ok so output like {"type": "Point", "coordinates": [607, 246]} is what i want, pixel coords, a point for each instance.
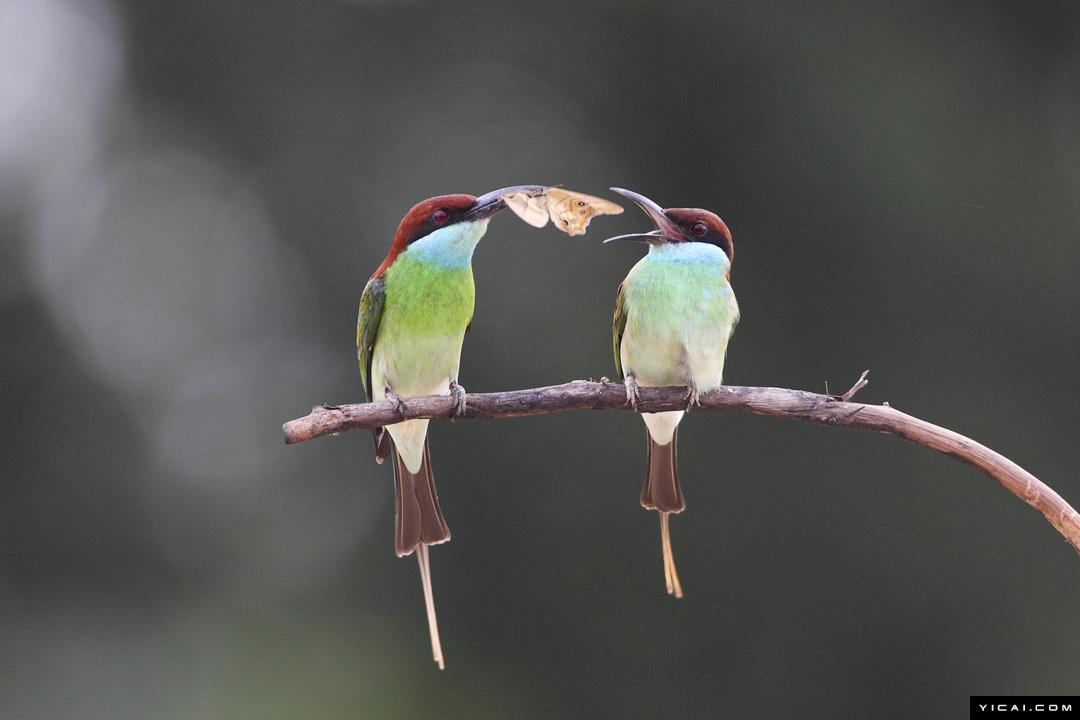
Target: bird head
{"type": "Point", "coordinates": [443, 211]}
{"type": "Point", "coordinates": [679, 225]}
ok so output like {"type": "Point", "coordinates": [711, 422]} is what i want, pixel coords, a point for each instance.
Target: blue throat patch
{"type": "Point", "coordinates": [449, 247]}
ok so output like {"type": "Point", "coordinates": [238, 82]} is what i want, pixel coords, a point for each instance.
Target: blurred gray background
{"type": "Point", "coordinates": [192, 195]}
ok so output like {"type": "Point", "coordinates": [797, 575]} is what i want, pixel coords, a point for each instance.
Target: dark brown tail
{"type": "Point", "coordinates": [417, 516]}
{"type": "Point", "coordinates": [662, 490]}
{"type": "Point", "coordinates": [419, 522]}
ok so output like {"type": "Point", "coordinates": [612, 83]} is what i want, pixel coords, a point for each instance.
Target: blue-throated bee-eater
{"type": "Point", "coordinates": [674, 315]}
{"type": "Point", "coordinates": [414, 313]}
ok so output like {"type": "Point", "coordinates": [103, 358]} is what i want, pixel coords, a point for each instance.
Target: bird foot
{"type": "Point", "coordinates": [693, 399]}
{"type": "Point", "coordinates": [458, 394]}
{"type": "Point", "coordinates": [632, 397]}
{"type": "Point", "coordinates": [399, 404]}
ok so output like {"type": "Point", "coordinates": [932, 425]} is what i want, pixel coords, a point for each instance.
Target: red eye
{"type": "Point", "coordinates": [440, 216]}
{"type": "Point", "coordinates": [699, 229]}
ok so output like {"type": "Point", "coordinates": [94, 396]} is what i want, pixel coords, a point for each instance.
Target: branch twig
{"type": "Point", "coordinates": [777, 402]}
{"type": "Point", "coordinates": [859, 385]}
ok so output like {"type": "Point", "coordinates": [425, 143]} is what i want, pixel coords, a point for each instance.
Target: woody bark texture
{"type": "Point", "coordinates": [778, 402]}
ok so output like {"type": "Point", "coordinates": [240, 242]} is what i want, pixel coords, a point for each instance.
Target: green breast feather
{"type": "Point", "coordinates": [427, 300]}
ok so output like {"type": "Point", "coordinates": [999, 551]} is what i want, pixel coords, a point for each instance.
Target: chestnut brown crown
{"type": "Point", "coordinates": [429, 215]}
{"type": "Point", "coordinates": [422, 219]}
{"type": "Point", "coordinates": [700, 225]}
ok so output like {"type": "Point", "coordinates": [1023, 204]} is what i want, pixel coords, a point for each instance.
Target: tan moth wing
{"type": "Point", "coordinates": [533, 209]}
{"type": "Point", "coordinates": [571, 211]}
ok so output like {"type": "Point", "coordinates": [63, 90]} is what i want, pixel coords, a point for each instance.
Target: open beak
{"type": "Point", "coordinates": [490, 203]}
{"type": "Point", "coordinates": [666, 231]}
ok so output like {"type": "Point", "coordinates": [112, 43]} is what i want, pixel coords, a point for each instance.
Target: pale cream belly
{"type": "Point", "coordinates": [427, 374]}
{"type": "Point", "coordinates": [666, 347]}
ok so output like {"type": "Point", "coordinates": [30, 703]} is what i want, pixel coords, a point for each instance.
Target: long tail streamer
{"type": "Point", "coordinates": [429, 599]}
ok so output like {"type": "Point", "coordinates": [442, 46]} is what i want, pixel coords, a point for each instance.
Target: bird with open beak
{"type": "Point", "coordinates": [414, 313]}
{"type": "Point", "coordinates": [674, 315]}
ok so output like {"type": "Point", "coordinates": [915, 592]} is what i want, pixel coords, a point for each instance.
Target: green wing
{"type": "Point", "coordinates": [367, 328]}
{"type": "Point", "coordinates": [618, 324]}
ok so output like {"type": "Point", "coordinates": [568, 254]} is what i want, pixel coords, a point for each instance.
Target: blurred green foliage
{"type": "Point", "coordinates": [192, 195]}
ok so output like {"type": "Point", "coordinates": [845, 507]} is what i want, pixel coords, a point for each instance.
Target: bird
{"type": "Point", "coordinates": [414, 314]}
{"type": "Point", "coordinates": [674, 314]}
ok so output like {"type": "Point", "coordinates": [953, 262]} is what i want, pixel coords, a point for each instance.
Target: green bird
{"type": "Point", "coordinates": [674, 315]}
{"type": "Point", "coordinates": [414, 314]}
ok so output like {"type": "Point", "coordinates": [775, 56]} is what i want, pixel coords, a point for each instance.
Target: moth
{"type": "Point", "coordinates": [570, 211]}
{"type": "Point", "coordinates": [533, 209]}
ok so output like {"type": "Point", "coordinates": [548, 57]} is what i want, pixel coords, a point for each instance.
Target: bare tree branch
{"type": "Point", "coordinates": [778, 402]}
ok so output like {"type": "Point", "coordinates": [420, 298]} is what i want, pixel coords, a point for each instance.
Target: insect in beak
{"type": "Point", "coordinates": [490, 203]}
{"type": "Point", "coordinates": [570, 211]}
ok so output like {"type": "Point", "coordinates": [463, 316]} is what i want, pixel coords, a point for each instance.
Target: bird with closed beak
{"type": "Point", "coordinates": [414, 314]}
{"type": "Point", "coordinates": [674, 315]}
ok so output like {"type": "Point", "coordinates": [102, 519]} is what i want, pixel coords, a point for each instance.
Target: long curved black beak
{"type": "Point", "coordinates": [666, 231]}
{"type": "Point", "coordinates": [490, 203]}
